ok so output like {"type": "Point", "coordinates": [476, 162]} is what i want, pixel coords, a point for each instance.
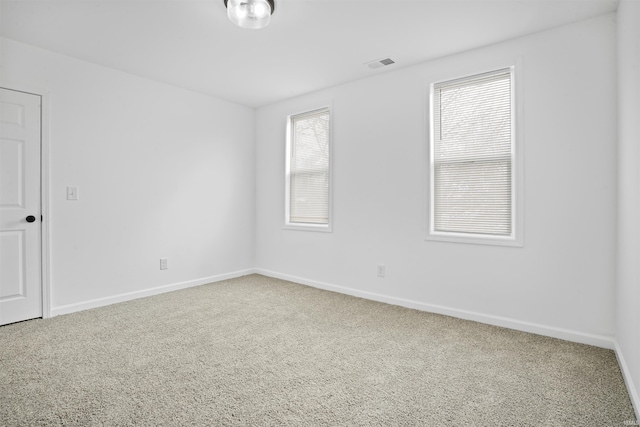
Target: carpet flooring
{"type": "Point", "coordinates": [257, 351]}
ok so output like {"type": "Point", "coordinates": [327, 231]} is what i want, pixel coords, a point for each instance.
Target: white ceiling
{"type": "Point", "coordinates": [309, 45]}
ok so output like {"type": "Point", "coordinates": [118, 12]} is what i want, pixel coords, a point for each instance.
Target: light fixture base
{"type": "Point", "coordinates": [251, 14]}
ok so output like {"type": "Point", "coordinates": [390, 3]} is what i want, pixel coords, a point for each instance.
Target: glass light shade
{"type": "Point", "coordinates": [252, 14]}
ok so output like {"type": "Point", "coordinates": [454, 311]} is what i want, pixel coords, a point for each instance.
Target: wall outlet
{"type": "Point", "coordinates": [163, 264]}
{"type": "Point", "coordinates": [381, 270]}
{"type": "Point", "coordinates": [72, 193]}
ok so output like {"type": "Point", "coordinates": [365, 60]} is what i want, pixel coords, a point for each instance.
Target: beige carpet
{"type": "Point", "coordinates": [256, 351]}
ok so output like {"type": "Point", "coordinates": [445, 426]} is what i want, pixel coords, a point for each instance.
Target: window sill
{"type": "Point", "coordinates": [481, 239]}
{"type": "Point", "coordinates": [308, 227]}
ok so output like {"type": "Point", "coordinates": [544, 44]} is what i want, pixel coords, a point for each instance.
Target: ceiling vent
{"type": "Point", "coordinates": [379, 63]}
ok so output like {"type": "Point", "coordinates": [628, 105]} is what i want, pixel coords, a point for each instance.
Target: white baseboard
{"type": "Point", "coordinates": [101, 302]}
{"type": "Point", "coordinates": [549, 331]}
{"type": "Point", "coordinates": [628, 380]}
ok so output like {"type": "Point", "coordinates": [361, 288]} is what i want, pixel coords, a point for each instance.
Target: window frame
{"type": "Point", "coordinates": [516, 238]}
{"type": "Point", "coordinates": [300, 226]}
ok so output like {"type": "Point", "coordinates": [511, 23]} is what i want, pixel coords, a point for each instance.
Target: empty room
{"type": "Point", "coordinates": [320, 212]}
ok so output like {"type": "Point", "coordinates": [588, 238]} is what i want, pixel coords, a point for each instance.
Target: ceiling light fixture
{"type": "Point", "coordinates": [252, 14]}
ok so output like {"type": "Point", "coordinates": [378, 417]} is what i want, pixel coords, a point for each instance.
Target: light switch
{"type": "Point", "coordinates": [72, 193]}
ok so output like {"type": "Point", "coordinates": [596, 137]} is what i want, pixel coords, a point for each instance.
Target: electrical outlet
{"type": "Point", "coordinates": [72, 193]}
{"type": "Point", "coordinates": [163, 264]}
{"type": "Point", "coordinates": [381, 270]}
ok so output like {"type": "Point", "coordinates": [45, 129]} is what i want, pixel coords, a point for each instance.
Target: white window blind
{"type": "Point", "coordinates": [309, 168]}
{"type": "Point", "coordinates": [472, 154]}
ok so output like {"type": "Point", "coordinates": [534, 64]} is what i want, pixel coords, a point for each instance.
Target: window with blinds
{"type": "Point", "coordinates": [472, 153]}
{"type": "Point", "coordinates": [308, 169]}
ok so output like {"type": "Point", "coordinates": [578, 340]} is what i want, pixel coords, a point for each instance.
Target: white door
{"type": "Point", "coordinates": [20, 220]}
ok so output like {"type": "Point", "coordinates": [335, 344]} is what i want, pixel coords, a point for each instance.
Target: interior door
{"type": "Point", "coordinates": [20, 213]}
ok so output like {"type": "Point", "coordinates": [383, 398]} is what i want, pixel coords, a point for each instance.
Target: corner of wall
{"type": "Point", "coordinates": [627, 330]}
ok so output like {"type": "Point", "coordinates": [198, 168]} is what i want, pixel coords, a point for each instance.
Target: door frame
{"type": "Point", "coordinates": [45, 172]}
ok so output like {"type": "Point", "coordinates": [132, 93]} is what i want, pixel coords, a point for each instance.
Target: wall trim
{"type": "Point", "coordinates": [628, 380]}
{"type": "Point", "coordinates": [45, 203]}
{"type": "Point", "coordinates": [101, 302]}
{"type": "Point", "coordinates": [505, 322]}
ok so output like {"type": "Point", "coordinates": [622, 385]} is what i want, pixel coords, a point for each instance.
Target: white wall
{"type": "Point", "coordinates": [161, 171]}
{"type": "Point", "coordinates": [628, 291]}
{"type": "Point", "coordinates": [561, 283]}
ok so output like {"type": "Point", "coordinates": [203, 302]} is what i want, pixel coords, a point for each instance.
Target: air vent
{"type": "Point", "coordinates": [379, 63]}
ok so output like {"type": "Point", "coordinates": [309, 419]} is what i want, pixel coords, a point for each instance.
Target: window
{"type": "Point", "coordinates": [308, 171]}
{"type": "Point", "coordinates": [472, 160]}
